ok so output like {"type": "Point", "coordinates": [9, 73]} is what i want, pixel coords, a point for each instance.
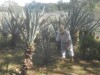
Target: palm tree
{"type": "Point", "coordinates": [79, 16]}
{"type": "Point", "coordinates": [4, 30]}
{"type": "Point", "coordinates": [32, 22]}
{"type": "Point", "coordinates": [9, 25]}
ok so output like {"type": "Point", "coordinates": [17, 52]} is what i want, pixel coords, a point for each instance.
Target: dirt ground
{"type": "Point", "coordinates": [10, 64]}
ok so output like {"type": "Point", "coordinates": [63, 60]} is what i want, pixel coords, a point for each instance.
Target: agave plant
{"type": "Point", "coordinates": [46, 44]}
{"type": "Point", "coordinates": [45, 48]}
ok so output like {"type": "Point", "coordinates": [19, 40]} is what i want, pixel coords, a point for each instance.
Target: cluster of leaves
{"type": "Point", "coordinates": [89, 47]}
{"type": "Point", "coordinates": [44, 48]}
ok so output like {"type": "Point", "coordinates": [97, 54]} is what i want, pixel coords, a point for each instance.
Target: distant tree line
{"type": "Point", "coordinates": [49, 7]}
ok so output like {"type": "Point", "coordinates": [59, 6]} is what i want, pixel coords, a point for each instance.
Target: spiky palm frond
{"type": "Point", "coordinates": [79, 16]}
{"type": "Point", "coordinates": [4, 29]}
{"type": "Point", "coordinates": [55, 22]}
{"type": "Point", "coordinates": [9, 21]}
{"type": "Point", "coordinates": [45, 49]}
{"type": "Point", "coordinates": [92, 27]}
{"type": "Point", "coordinates": [32, 23]}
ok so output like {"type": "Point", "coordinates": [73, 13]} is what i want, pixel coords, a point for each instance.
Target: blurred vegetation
{"type": "Point", "coordinates": [49, 7]}
{"type": "Point", "coordinates": [31, 31]}
{"type": "Point", "coordinates": [89, 47]}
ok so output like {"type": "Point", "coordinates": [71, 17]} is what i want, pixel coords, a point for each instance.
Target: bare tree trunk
{"type": "Point", "coordinates": [27, 62]}
{"type": "Point", "coordinates": [75, 38]}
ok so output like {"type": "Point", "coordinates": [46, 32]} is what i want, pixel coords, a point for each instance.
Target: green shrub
{"type": "Point", "coordinates": [89, 47]}
{"type": "Point", "coordinates": [45, 49]}
{"type": "Point", "coordinates": [4, 41]}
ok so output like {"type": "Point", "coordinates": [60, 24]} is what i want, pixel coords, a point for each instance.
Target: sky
{"type": "Point", "coordinates": [23, 2]}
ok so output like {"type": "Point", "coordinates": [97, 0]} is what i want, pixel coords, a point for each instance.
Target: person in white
{"type": "Point", "coordinates": [63, 35]}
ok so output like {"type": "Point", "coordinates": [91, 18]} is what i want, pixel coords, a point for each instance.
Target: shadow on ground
{"type": "Point", "coordinates": [10, 60]}
{"type": "Point", "coordinates": [10, 64]}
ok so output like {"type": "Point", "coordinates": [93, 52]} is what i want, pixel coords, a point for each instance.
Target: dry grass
{"type": "Point", "coordinates": [10, 64]}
